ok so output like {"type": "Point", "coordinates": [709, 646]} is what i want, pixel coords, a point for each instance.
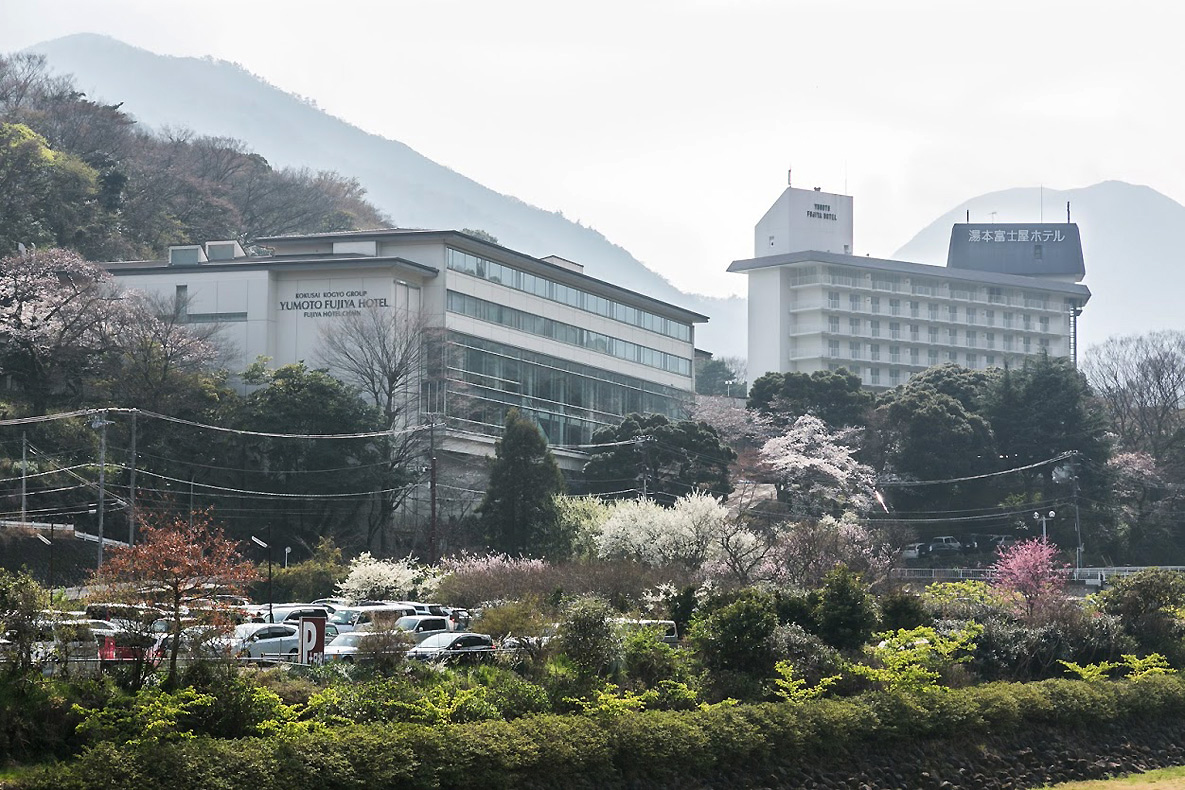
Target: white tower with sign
{"type": "Point", "coordinates": [805, 219]}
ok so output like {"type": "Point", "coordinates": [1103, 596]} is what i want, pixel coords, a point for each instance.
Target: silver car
{"type": "Point", "coordinates": [262, 640]}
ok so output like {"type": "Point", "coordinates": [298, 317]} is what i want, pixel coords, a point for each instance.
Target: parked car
{"type": "Point", "coordinates": [346, 647]}
{"type": "Point", "coordinates": [454, 647]}
{"type": "Point", "coordinates": [422, 627]}
{"type": "Point", "coordinates": [427, 608]}
{"type": "Point", "coordinates": [260, 640]}
{"type": "Point", "coordinates": [913, 551]}
{"type": "Point", "coordinates": [945, 544]}
{"type": "Point", "coordinates": [355, 617]}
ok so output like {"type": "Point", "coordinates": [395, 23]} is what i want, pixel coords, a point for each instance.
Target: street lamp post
{"type": "Point", "coordinates": [1042, 517]}
{"type": "Point", "coordinates": [259, 542]}
{"type": "Point", "coordinates": [287, 551]}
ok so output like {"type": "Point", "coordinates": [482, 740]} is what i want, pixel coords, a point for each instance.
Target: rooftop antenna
{"type": "Point", "coordinates": [992, 214]}
{"type": "Point", "coordinates": [788, 171]}
{"type": "Point", "coordinates": [1067, 212]}
{"type": "Point", "coordinates": [968, 216]}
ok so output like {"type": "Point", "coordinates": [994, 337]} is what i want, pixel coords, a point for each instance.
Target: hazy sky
{"type": "Point", "coordinates": [669, 125]}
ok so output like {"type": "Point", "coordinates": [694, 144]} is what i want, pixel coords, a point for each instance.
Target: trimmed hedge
{"type": "Point", "coordinates": [878, 735]}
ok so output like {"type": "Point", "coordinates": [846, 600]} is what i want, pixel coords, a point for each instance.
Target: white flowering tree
{"type": "Point", "coordinates": [688, 533]}
{"type": "Point", "coordinates": [375, 580]}
{"type": "Point", "coordinates": [55, 313]}
{"type": "Point", "coordinates": [815, 470]}
{"type": "Point", "coordinates": [802, 553]}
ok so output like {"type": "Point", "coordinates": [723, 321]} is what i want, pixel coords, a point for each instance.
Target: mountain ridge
{"type": "Point", "coordinates": [219, 98]}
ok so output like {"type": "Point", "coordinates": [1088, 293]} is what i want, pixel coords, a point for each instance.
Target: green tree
{"type": "Point", "coordinates": [834, 396]}
{"type": "Point", "coordinates": [587, 636]}
{"type": "Point", "coordinates": [1047, 409]}
{"type": "Point", "coordinates": [648, 455]}
{"type": "Point", "coordinates": [46, 196]}
{"type": "Point", "coordinates": [737, 638]}
{"type": "Point", "coordinates": [22, 601]}
{"type": "Point", "coordinates": [297, 400]}
{"type": "Point", "coordinates": [519, 511]}
{"type": "Point", "coordinates": [316, 577]}
{"type": "Point", "coordinates": [845, 612]}
{"type": "Point", "coordinates": [720, 377]}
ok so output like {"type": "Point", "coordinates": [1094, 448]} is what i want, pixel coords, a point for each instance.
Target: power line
{"type": "Point", "coordinates": [910, 484]}
{"type": "Point", "coordinates": [275, 494]}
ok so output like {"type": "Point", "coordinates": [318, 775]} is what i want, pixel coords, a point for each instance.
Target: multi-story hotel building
{"type": "Point", "coordinates": [570, 352]}
{"type": "Point", "coordinates": [1007, 291]}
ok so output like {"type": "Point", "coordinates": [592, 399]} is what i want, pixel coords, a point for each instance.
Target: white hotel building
{"type": "Point", "coordinates": [571, 352]}
{"type": "Point", "coordinates": [1007, 291]}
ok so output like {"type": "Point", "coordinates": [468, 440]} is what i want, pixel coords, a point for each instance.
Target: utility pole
{"type": "Point", "coordinates": [132, 487]}
{"type": "Point", "coordinates": [101, 423]}
{"type": "Point", "coordinates": [1077, 525]}
{"type": "Point", "coordinates": [432, 492]}
{"type": "Point", "coordinates": [24, 477]}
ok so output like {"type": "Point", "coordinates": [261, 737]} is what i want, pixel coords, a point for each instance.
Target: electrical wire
{"type": "Point", "coordinates": [42, 474]}
{"type": "Point", "coordinates": [266, 434]}
{"type": "Point", "coordinates": [275, 494]}
{"type": "Point", "coordinates": [912, 483]}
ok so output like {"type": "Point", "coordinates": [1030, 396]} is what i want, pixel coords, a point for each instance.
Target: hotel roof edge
{"type": "Point", "coordinates": [905, 267]}
{"type": "Point", "coordinates": [691, 315]}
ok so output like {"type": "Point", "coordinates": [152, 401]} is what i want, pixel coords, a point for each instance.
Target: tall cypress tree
{"type": "Point", "coordinates": [518, 512]}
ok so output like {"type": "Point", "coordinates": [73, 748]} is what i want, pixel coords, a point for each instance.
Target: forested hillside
{"type": "Point", "coordinates": [82, 175]}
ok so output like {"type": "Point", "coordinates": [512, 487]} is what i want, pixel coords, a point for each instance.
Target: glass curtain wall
{"type": "Point", "coordinates": [569, 401]}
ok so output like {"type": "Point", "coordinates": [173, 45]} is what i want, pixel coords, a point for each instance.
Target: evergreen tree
{"type": "Point", "coordinates": [519, 511]}
{"type": "Point", "coordinates": [647, 455]}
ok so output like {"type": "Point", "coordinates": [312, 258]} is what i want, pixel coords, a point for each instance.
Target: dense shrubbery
{"type": "Point", "coordinates": [661, 746]}
{"type": "Point", "coordinates": [598, 680]}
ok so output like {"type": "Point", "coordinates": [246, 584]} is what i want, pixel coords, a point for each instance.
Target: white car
{"type": "Point", "coordinates": [345, 647]}
{"type": "Point", "coordinates": [262, 640]}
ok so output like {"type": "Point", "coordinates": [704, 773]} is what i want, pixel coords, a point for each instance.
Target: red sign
{"type": "Point", "coordinates": [312, 639]}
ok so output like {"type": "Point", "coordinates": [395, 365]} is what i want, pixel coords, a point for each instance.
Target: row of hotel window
{"type": "Point", "coordinates": [483, 310]}
{"type": "Point", "coordinates": [971, 337]}
{"type": "Point", "coordinates": [856, 350]}
{"type": "Point", "coordinates": [933, 311]}
{"type": "Point", "coordinates": [921, 286]}
{"type": "Point", "coordinates": [526, 282]}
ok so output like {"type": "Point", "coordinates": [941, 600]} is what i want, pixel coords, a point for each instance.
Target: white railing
{"type": "Point", "coordinates": [1098, 574]}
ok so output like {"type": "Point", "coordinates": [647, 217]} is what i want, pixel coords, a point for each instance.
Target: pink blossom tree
{"type": "Point", "coordinates": [1028, 569]}
{"type": "Point", "coordinates": [54, 311]}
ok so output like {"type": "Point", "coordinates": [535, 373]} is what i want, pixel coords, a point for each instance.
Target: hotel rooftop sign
{"type": "Point", "coordinates": [1031, 249]}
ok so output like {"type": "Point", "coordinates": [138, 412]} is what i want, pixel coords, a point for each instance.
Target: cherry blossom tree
{"type": "Point", "coordinates": [815, 470]}
{"type": "Point", "coordinates": [184, 565]}
{"type": "Point", "coordinates": [1029, 570]}
{"type": "Point", "coordinates": [803, 553]}
{"type": "Point", "coordinates": [54, 310]}
{"type": "Point", "coordinates": [159, 360]}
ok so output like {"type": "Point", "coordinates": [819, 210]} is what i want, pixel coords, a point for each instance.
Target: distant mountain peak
{"type": "Point", "coordinates": [1135, 268]}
